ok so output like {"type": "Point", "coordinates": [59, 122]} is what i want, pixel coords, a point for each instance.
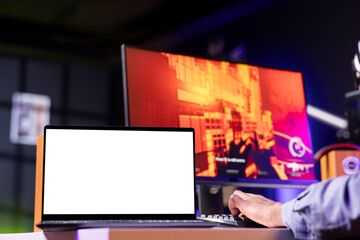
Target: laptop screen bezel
{"type": "Point", "coordinates": [171, 216]}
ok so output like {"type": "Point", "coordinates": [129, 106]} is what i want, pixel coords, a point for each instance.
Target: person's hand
{"type": "Point", "coordinates": [256, 207]}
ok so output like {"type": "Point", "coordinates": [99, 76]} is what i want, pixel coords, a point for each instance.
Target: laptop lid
{"type": "Point", "coordinates": [100, 173]}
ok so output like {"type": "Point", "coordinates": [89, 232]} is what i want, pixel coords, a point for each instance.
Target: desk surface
{"type": "Point", "coordinates": [158, 234]}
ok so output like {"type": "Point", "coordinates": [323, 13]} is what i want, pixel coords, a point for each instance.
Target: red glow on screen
{"type": "Point", "coordinates": [249, 121]}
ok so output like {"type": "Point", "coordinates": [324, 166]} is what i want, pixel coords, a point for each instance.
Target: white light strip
{"type": "Point", "coordinates": [356, 63]}
{"type": "Point", "coordinates": [326, 117]}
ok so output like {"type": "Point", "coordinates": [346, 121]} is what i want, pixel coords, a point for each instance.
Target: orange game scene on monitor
{"type": "Point", "coordinates": [249, 121]}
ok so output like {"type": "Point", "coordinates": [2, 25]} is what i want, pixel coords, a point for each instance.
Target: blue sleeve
{"type": "Point", "coordinates": [326, 210]}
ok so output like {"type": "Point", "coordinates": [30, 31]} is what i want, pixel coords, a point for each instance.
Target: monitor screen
{"type": "Point", "coordinates": [250, 122]}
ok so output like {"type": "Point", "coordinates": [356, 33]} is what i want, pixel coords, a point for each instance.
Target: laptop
{"type": "Point", "coordinates": [118, 177]}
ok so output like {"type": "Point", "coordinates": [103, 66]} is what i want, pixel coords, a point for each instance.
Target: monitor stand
{"type": "Point", "coordinates": [210, 199]}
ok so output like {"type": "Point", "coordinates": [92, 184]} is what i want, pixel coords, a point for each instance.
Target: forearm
{"type": "Point", "coordinates": [275, 215]}
{"type": "Point", "coordinates": [329, 209]}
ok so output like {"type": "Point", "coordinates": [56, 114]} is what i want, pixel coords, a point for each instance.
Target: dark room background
{"type": "Point", "coordinates": [81, 71]}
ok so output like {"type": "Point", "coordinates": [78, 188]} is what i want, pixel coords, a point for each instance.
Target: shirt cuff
{"type": "Point", "coordinates": [286, 212]}
{"type": "Point", "coordinates": [294, 221]}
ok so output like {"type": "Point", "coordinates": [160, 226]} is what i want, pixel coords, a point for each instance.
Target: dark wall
{"type": "Point", "coordinates": [318, 38]}
{"type": "Point", "coordinates": [81, 94]}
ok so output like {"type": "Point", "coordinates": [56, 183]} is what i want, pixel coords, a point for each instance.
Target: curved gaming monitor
{"type": "Point", "coordinates": [251, 126]}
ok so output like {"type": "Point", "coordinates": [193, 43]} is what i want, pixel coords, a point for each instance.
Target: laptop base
{"type": "Point", "coordinates": [51, 226]}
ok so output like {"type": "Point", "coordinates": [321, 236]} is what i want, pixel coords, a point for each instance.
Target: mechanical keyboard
{"type": "Point", "coordinates": [229, 220]}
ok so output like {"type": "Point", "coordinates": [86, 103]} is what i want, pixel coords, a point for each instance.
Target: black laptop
{"type": "Point", "coordinates": [118, 177]}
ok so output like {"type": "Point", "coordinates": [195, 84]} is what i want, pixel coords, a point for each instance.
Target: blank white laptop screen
{"type": "Point", "coordinates": [104, 171]}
